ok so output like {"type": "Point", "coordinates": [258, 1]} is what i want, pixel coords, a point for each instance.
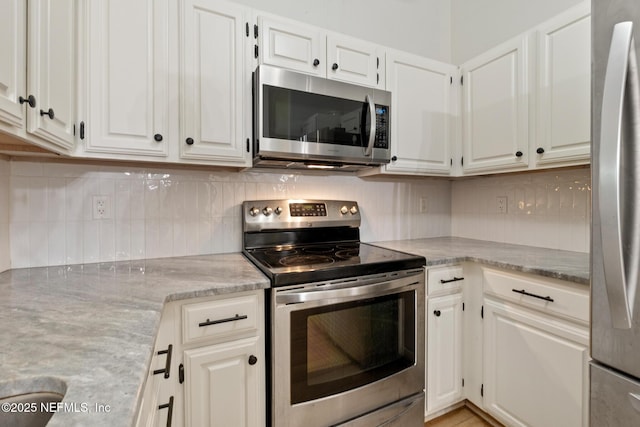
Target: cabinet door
{"type": "Point", "coordinates": [420, 114]}
{"type": "Point", "coordinates": [13, 64]}
{"type": "Point", "coordinates": [222, 387]}
{"type": "Point", "coordinates": [564, 88]}
{"type": "Point", "coordinates": [495, 108]}
{"type": "Point", "coordinates": [288, 44]}
{"type": "Point", "coordinates": [51, 70]}
{"type": "Point", "coordinates": [161, 388]}
{"type": "Point", "coordinates": [355, 61]}
{"type": "Point", "coordinates": [127, 82]}
{"type": "Point", "coordinates": [536, 368]}
{"type": "Point", "coordinates": [213, 88]}
{"type": "Point", "coordinates": [444, 351]}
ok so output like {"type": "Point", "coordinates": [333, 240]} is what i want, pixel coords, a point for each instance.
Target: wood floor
{"type": "Point", "coordinates": [462, 417]}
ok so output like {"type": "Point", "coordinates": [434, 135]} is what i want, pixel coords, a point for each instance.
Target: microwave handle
{"type": "Point", "coordinates": [372, 133]}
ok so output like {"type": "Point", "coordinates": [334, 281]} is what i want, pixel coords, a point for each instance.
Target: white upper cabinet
{"type": "Point", "coordinates": [355, 61]}
{"type": "Point", "coordinates": [38, 72]}
{"type": "Point", "coordinates": [215, 83]}
{"type": "Point", "coordinates": [288, 44]}
{"type": "Point", "coordinates": [128, 79]}
{"type": "Point", "coordinates": [13, 36]}
{"type": "Point", "coordinates": [52, 70]}
{"type": "Point", "coordinates": [564, 88]}
{"type": "Point", "coordinates": [421, 114]}
{"type": "Point", "coordinates": [495, 108]}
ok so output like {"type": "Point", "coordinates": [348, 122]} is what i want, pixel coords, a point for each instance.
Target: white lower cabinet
{"type": "Point", "coordinates": [444, 355]}
{"type": "Point", "coordinates": [515, 345]}
{"type": "Point", "coordinates": [223, 385]}
{"type": "Point", "coordinates": [217, 364]}
{"type": "Point", "coordinates": [535, 363]}
{"type": "Point", "coordinates": [444, 338]}
{"type": "Point", "coordinates": [160, 392]}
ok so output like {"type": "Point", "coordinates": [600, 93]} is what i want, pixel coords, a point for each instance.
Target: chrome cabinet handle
{"type": "Point", "coordinates": [621, 89]}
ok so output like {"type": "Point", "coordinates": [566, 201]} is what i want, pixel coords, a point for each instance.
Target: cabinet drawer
{"type": "Point", "coordinates": [548, 295]}
{"type": "Point", "coordinates": [220, 318]}
{"type": "Point", "coordinates": [444, 279]}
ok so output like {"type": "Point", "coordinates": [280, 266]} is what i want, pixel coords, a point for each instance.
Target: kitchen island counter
{"type": "Point", "coordinates": [557, 264]}
{"type": "Point", "coordinates": [88, 331]}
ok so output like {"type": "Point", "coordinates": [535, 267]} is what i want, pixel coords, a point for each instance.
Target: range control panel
{"type": "Point", "coordinates": [260, 215]}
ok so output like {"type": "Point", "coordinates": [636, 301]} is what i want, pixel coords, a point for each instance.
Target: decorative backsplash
{"type": "Point", "coordinates": [548, 209]}
{"type": "Point", "coordinates": [153, 212]}
{"type": "Point", "coordinates": [47, 207]}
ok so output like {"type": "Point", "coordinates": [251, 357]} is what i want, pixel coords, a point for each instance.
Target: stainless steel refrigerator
{"type": "Point", "coordinates": [615, 252]}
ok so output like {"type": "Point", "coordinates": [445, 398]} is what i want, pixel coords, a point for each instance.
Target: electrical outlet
{"type": "Point", "coordinates": [101, 207]}
{"type": "Point", "coordinates": [501, 205]}
{"type": "Point", "coordinates": [423, 205]}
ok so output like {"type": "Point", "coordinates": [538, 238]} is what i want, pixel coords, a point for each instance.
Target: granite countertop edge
{"type": "Point", "coordinates": [553, 263]}
{"type": "Point", "coordinates": [88, 331]}
{"type": "Point", "coordinates": [120, 303]}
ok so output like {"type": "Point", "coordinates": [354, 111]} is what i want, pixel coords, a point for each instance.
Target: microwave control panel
{"type": "Point", "coordinates": [382, 127]}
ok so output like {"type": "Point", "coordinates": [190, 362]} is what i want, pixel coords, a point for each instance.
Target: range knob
{"type": "Point", "coordinates": [254, 211]}
{"type": "Point", "coordinates": [344, 210]}
{"type": "Point", "coordinates": [278, 210]}
{"type": "Point", "coordinates": [267, 211]}
{"type": "Point", "coordinates": [353, 210]}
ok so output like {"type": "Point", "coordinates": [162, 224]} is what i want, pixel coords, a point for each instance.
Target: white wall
{"type": "Point", "coordinates": [5, 262]}
{"type": "Point", "coordinates": [477, 26]}
{"type": "Point", "coordinates": [422, 27]}
{"type": "Point", "coordinates": [163, 212]}
{"type": "Point", "coordinates": [549, 209]}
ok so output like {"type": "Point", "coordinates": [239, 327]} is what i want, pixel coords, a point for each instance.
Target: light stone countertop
{"type": "Point", "coordinates": [88, 331]}
{"type": "Point", "coordinates": [558, 264]}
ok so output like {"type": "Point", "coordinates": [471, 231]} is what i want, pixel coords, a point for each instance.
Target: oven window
{"type": "Point", "coordinates": [343, 346]}
{"type": "Point", "coordinates": [307, 117]}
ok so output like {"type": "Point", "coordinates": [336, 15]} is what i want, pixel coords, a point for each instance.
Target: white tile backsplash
{"type": "Point", "coordinates": [548, 209]}
{"type": "Point", "coordinates": [163, 212]}
{"type": "Point", "coordinates": [46, 209]}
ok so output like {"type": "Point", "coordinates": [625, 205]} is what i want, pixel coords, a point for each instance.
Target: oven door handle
{"type": "Point", "coordinates": [297, 297]}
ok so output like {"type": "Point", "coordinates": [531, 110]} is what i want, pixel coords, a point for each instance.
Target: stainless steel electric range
{"type": "Point", "coordinates": [345, 318]}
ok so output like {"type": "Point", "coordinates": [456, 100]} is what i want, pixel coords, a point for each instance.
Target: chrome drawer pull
{"type": "Point", "coordinates": [455, 279]}
{"type": "Point", "coordinates": [523, 292]}
{"type": "Point", "coordinates": [228, 319]}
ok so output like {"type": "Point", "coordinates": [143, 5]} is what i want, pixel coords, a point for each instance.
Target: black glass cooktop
{"type": "Point", "coordinates": [287, 265]}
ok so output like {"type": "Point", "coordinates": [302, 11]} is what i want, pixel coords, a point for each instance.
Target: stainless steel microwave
{"type": "Point", "coordinates": [303, 121]}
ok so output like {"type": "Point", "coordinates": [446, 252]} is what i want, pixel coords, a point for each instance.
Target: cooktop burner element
{"type": "Point", "coordinates": [305, 260]}
{"type": "Point", "coordinates": [301, 241]}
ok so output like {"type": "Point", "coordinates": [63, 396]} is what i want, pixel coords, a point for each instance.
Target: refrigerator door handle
{"type": "Point", "coordinates": [621, 80]}
{"type": "Point", "coordinates": [635, 401]}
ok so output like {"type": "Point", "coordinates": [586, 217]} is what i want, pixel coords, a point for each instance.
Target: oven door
{"type": "Point", "coordinates": [346, 349]}
{"type": "Point", "coordinates": [301, 118]}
